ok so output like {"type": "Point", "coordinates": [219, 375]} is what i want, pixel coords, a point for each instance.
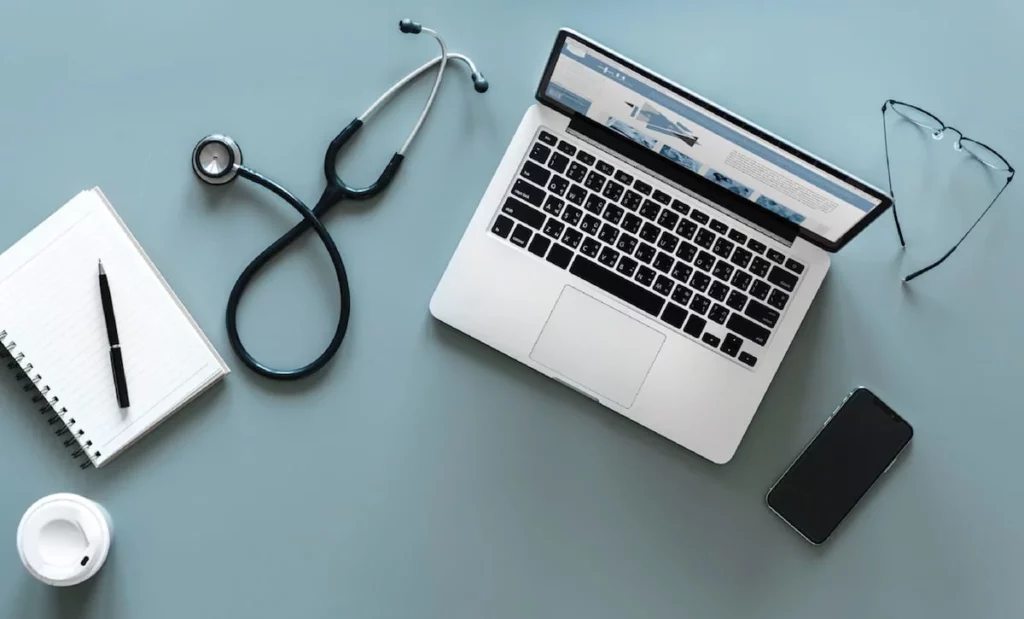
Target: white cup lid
{"type": "Point", "coordinates": [63, 539]}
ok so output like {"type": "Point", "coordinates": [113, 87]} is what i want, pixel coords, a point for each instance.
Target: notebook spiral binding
{"type": "Point", "coordinates": [67, 428]}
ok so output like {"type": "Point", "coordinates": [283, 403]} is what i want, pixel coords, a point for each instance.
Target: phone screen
{"type": "Point", "coordinates": [857, 444]}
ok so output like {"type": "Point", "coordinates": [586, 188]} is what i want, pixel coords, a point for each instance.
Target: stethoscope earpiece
{"type": "Point", "coordinates": [216, 158]}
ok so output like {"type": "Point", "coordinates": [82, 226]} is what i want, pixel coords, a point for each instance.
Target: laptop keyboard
{"type": "Point", "coordinates": [648, 248]}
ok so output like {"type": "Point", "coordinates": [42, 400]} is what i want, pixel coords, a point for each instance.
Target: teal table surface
{"type": "Point", "coordinates": [426, 475]}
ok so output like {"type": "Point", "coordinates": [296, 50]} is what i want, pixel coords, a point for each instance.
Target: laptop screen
{"type": "Point", "coordinates": [708, 141]}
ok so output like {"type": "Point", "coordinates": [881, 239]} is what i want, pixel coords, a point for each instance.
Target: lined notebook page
{"type": "Point", "coordinates": [50, 306]}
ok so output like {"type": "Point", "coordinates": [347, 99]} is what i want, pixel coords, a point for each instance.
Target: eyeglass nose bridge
{"type": "Point", "coordinates": [941, 133]}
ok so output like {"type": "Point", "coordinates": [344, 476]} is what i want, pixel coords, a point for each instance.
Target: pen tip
{"type": "Point", "coordinates": [102, 272]}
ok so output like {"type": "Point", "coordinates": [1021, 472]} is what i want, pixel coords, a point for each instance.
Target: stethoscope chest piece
{"type": "Point", "coordinates": [216, 158]}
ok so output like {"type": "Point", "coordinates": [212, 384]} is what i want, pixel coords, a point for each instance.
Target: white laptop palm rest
{"type": "Point", "coordinates": [648, 248]}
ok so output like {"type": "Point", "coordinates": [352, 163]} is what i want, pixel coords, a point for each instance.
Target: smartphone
{"type": "Point", "coordinates": [858, 443]}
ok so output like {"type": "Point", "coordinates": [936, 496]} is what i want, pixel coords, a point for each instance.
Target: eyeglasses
{"type": "Point", "coordinates": [981, 152]}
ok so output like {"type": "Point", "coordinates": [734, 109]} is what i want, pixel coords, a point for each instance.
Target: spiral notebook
{"type": "Point", "coordinates": [53, 336]}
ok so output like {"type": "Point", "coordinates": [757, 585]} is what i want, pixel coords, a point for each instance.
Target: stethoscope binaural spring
{"type": "Point", "coordinates": [217, 159]}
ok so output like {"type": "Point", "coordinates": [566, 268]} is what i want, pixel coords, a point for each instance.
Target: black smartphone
{"type": "Point", "coordinates": [858, 443]}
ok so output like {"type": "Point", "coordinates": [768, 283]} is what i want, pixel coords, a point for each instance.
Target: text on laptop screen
{"type": "Point", "coordinates": [622, 99]}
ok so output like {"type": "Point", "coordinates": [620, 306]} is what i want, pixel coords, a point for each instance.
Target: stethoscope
{"type": "Point", "coordinates": [217, 160]}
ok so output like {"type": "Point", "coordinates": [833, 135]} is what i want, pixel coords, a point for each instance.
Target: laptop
{"type": "Point", "coordinates": [648, 248]}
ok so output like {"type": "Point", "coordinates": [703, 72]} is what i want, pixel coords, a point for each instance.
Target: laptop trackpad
{"type": "Point", "coordinates": [597, 346]}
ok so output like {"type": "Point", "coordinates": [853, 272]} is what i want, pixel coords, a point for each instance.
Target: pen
{"type": "Point", "coordinates": [116, 361]}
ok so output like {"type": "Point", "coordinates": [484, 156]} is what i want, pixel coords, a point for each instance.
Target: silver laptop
{"type": "Point", "coordinates": [648, 248]}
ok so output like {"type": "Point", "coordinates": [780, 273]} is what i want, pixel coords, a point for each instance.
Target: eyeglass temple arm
{"type": "Point", "coordinates": [888, 171]}
{"type": "Point", "coordinates": [949, 253]}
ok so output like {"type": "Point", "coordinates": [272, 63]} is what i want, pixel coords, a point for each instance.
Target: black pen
{"type": "Point", "coordinates": [116, 361]}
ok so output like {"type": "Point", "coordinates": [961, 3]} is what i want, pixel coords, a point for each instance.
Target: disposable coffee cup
{"type": "Point", "coordinates": [64, 539]}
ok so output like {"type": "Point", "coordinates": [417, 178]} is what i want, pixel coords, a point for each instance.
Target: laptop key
{"type": "Point", "coordinates": [783, 279]}
{"type": "Point", "coordinates": [502, 226]}
{"type": "Point", "coordinates": [558, 185]}
{"type": "Point", "coordinates": [736, 300]}
{"type": "Point", "coordinates": [613, 213]}
{"type": "Point", "coordinates": [595, 181]}
{"type": "Point", "coordinates": [560, 256]}
{"type": "Point", "coordinates": [608, 257]}
{"type": "Point", "coordinates": [760, 290]}
{"type": "Point", "coordinates": [668, 219]}
{"type": "Point", "coordinates": [576, 195]}
{"type": "Point", "coordinates": [741, 257]}
{"type": "Point", "coordinates": [674, 315]}
{"type": "Point", "coordinates": [742, 280]}
{"type": "Point", "coordinates": [694, 326]}
{"type": "Point", "coordinates": [649, 210]}
{"type": "Point", "coordinates": [627, 266]}
{"type": "Point", "coordinates": [645, 276]}
{"type": "Point", "coordinates": [553, 228]}
{"type": "Point", "coordinates": [711, 339]}
{"type": "Point", "coordinates": [642, 187]}
{"type": "Point", "coordinates": [605, 168]}
{"type": "Point", "coordinates": [567, 148]}
{"type": "Point", "coordinates": [718, 226]}
{"type": "Point", "coordinates": [661, 196]}
{"type": "Point", "coordinates": [631, 223]}
{"type": "Point", "coordinates": [748, 329]}
{"type": "Point", "coordinates": [586, 157]}
{"type": "Point", "coordinates": [700, 281]}
{"type": "Point", "coordinates": [523, 212]}
{"type": "Point", "coordinates": [624, 177]}
{"type": "Point", "coordinates": [668, 241]}
{"type": "Point", "coordinates": [681, 294]}
{"type": "Point", "coordinates": [535, 173]}
{"type": "Point", "coordinates": [664, 262]}
{"type": "Point", "coordinates": [778, 299]}
{"type": "Point", "coordinates": [663, 285]}
{"type": "Point", "coordinates": [718, 291]}
{"type": "Point", "coordinates": [547, 138]}
{"type": "Point", "coordinates": [686, 251]}
{"type": "Point", "coordinates": [682, 271]}
{"type": "Point", "coordinates": [748, 359]}
{"type": "Point", "coordinates": [737, 236]}
{"type": "Point", "coordinates": [632, 200]}
{"type": "Point", "coordinates": [617, 286]}
{"type": "Point", "coordinates": [762, 314]}
{"type": "Point", "coordinates": [705, 238]}
{"type": "Point", "coordinates": [756, 246]}
{"type": "Point", "coordinates": [794, 266]}
{"type": "Point", "coordinates": [576, 172]}
{"type": "Point", "coordinates": [594, 204]}
{"type": "Point", "coordinates": [521, 235]}
{"type": "Point", "coordinates": [704, 261]}
{"type": "Point", "coordinates": [718, 314]}
{"type": "Point", "coordinates": [590, 225]}
{"type": "Point", "coordinates": [530, 193]}
{"type": "Point", "coordinates": [609, 234]}
{"type": "Point", "coordinates": [553, 206]}
{"type": "Point", "coordinates": [572, 215]}
{"type": "Point", "coordinates": [645, 253]}
{"type": "Point", "coordinates": [731, 345]}
{"type": "Point", "coordinates": [558, 162]}
{"type": "Point", "coordinates": [723, 248]}
{"type": "Point", "coordinates": [539, 153]}
{"type": "Point", "coordinates": [759, 266]}
{"type": "Point", "coordinates": [699, 217]}
{"type": "Point", "coordinates": [572, 237]}
{"type": "Point", "coordinates": [626, 244]}
{"type": "Point", "coordinates": [680, 207]}
{"type": "Point", "coordinates": [590, 247]}
{"type": "Point", "coordinates": [686, 229]}
{"type": "Point", "coordinates": [650, 233]}
{"type": "Point", "coordinates": [775, 256]}
{"type": "Point", "coordinates": [539, 245]}
{"type": "Point", "coordinates": [612, 191]}
{"type": "Point", "coordinates": [723, 270]}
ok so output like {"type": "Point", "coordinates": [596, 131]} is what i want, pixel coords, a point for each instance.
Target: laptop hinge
{"type": "Point", "coordinates": [703, 189]}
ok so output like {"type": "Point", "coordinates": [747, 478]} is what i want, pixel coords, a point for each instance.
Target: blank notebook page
{"type": "Point", "coordinates": [50, 307]}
